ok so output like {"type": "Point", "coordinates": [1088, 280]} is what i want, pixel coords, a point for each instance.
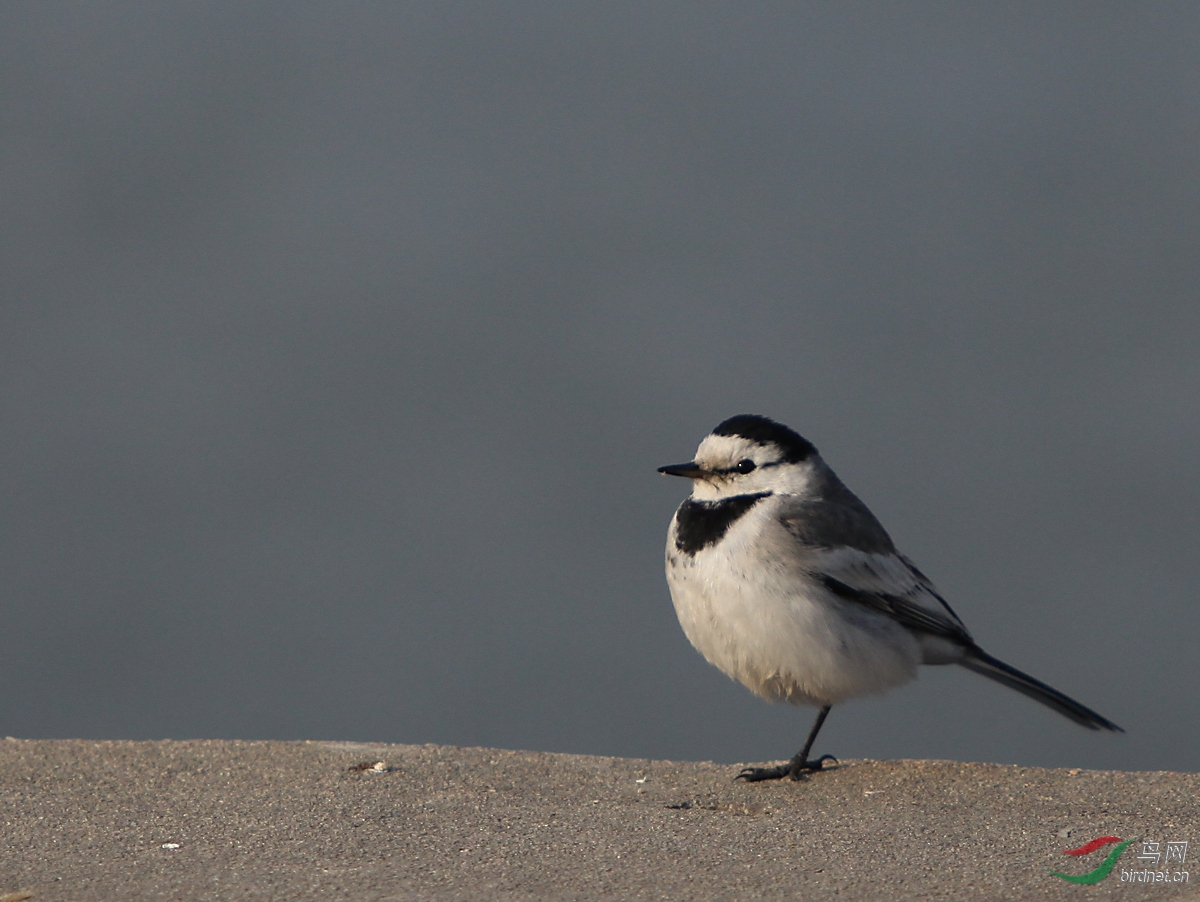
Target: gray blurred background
{"type": "Point", "coordinates": [340, 343]}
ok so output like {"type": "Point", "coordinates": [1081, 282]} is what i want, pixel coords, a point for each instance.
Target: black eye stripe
{"type": "Point", "coordinates": [734, 468]}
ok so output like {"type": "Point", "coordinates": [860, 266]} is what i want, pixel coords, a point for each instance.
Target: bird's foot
{"type": "Point", "coordinates": [758, 774]}
{"type": "Point", "coordinates": [794, 770]}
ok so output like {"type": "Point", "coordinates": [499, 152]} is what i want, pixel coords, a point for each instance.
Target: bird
{"type": "Point", "coordinates": [785, 581]}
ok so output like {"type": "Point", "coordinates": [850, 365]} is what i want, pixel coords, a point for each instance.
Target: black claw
{"type": "Point", "coordinates": [758, 774]}
{"type": "Point", "coordinates": [792, 769]}
{"type": "Point", "coordinates": [797, 770]}
{"type": "Point", "coordinates": [799, 765]}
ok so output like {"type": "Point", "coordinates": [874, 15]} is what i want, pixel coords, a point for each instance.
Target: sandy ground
{"type": "Point", "coordinates": [300, 820]}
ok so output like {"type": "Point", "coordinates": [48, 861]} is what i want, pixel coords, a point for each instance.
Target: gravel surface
{"type": "Point", "coordinates": [328, 820]}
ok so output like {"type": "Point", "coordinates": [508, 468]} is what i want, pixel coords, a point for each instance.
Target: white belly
{"type": "Point", "coordinates": [761, 622]}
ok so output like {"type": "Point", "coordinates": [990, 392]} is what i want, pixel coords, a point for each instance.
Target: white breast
{"type": "Point", "coordinates": [748, 605]}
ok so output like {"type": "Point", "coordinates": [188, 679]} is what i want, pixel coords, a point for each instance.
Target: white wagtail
{"type": "Point", "coordinates": [785, 581]}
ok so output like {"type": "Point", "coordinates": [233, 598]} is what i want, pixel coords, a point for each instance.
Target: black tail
{"type": "Point", "coordinates": [982, 663]}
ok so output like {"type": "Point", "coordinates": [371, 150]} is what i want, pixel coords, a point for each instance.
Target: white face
{"type": "Point", "coordinates": [727, 459]}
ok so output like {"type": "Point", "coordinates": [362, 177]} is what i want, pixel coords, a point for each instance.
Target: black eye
{"type": "Point", "coordinates": [745, 466]}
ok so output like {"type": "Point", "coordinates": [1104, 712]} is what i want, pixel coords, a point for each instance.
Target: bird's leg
{"type": "Point", "coordinates": [799, 765]}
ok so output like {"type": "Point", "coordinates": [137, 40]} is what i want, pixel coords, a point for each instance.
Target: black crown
{"type": "Point", "coordinates": [765, 431]}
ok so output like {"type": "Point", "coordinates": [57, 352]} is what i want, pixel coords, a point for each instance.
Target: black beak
{"type": "Point", "coordinates": [691, 470]}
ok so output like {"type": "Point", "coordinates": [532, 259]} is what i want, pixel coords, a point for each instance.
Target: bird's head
{"type": "Point", "coordinates": [747, 454]}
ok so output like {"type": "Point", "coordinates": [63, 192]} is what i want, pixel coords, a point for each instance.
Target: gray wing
{"type": "Point", "coordinates": [832, 516]}
{"type": "Point", "coordinates": [842, 546]}
{"type": "Point", "coordinates": [893, 587]}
